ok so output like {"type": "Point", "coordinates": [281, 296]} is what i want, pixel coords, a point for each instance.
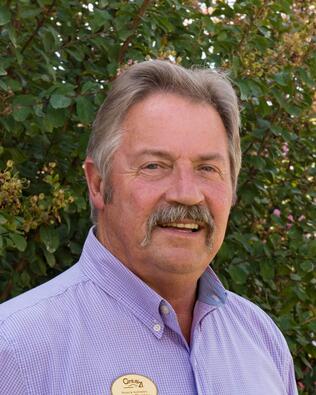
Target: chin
{"type": "Point", "coordinates": [182, 262]}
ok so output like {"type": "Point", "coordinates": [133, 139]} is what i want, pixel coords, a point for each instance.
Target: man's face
{"type": "Point", "coordinates": [174, 153]}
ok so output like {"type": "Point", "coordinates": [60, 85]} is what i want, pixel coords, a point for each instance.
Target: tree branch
{"type": "Point", "coordinates": [135, 24]}
{"type": "Point", "coordinates": [40, 23]}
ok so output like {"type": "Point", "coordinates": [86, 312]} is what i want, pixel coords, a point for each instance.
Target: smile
{"type": "Point", "coordinates": [190, 226]}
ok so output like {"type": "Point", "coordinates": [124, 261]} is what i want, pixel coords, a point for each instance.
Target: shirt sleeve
{"type": "Point", "coordinates": [291, 382]}
{"type": "Point", "coordinates": [11, 381]}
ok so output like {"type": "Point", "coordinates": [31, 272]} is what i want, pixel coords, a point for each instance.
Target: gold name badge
{"type": "Point", "coordinates": [133, 384]}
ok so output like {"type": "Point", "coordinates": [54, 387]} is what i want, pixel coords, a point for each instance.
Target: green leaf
{"type": "Point", "coordinates": [288, 106]}
{"type": "Point", "coordinates": [21, 113]}
{"type": "Point", "coordinates": [12, 35]}
{"type": "Point", "coordinates": [255, 88]}
{"type": "Point", "coordinates": [1, 245]}
{"type": "Point", "coordinates": [18, 241]}
{"type": "Point", "coordinates": [222, 36]}
{"type": "Point", "coordinates": [2, 71]}
{"type": "Point", "coordinates": [59, 101]}
{"type": "Point", "coordinates": [5, 15]}
{"type": "Point", "coordinates": [266, 271]}
{"type": "Point", "coordinates": [51, 38]}
{"type": "Point", "coordinates": [85, 110]}
{"type": "Point", "coordinates": [77, 54]}
{"type": "Point", "coordinates": [238, 274]}
{"type": "Point", "coordinates": [49, 236]}
{"type": "Point", "coordinates": [301, 294]}
{"type": "Point", "coordinates": [29, 12]}
{"type": "Point", "coordinates": [123, 33]}
{"type": "Point", "coordinates": [245, 89]}
{"type": "Point", "coordinates": [307, 266]}
{"type": "Point", "coordinates": [166, 25]}
{"type": "Point", "coordinates": [285, 322]}
{"type": "Point", "coordinates": [25, 279]}
{"type": "Point", "coordinates": [56, 118]}
{"type": "Point", "coordinates": [90, 86]}
{"type": "Point", "coordinates": [312, 248]}
{"type": "Point", "coordinates": [282, 78]}
{"type": "Point", "coordinates": [103, 3]}
{"type": "Point", "coordinates": [14, 85]}
{"type": "Point", "coordinates": [50, 258]}
{"type": "Point", "coordinates": [100, 19]}
{"type": "Point", "coordinates": [3, 85]}
{"type": "Point", "coordinates": [75, 248]}
{"type": "Point", "coordinates": [24, 100]}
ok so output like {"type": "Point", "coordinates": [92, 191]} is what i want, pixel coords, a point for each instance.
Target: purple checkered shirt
{"type": "Point", "coordinates": [97, 321]}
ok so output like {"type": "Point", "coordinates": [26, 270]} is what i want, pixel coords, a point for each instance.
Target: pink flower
{"type": "Point", "coordinates": [285, 149]}
{"type": "Point", "coordinates": [290, 218]}
{"type": "Point", "coordinates": [277, 212]}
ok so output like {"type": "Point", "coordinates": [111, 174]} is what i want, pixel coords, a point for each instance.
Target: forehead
{"type": "Point", "coordinates": [168, 121]}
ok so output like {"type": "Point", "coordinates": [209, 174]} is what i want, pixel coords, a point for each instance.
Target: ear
{"type": "Point", "coordinates": [95, 183]}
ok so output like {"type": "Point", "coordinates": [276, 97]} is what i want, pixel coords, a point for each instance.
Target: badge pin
{"type": "Point", "coordinates": [133, 384]}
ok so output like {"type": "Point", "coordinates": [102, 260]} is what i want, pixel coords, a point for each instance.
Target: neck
{"type": "Point", "coordinates": [178, 290]}
{"type": "Point", "coordinates": [182, 298]}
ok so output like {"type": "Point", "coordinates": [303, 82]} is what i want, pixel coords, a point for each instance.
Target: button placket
{"type": "Point", "coordinates": [194, 360]}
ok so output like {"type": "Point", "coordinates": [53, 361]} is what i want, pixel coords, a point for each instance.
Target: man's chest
{"type": "Point", "coordinates": [87, 363]}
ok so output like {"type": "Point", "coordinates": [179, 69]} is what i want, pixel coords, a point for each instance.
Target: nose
{"type": "Point", "coordinates": [184, 188]}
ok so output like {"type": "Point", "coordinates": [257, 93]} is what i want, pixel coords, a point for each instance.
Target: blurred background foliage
{"type": "Point", "coordinates": [57, 61]}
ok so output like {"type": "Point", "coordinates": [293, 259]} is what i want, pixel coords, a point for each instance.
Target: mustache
{"type": "Point", "coordinates": [178, 213]}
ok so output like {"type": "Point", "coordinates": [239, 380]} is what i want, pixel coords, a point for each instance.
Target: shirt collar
{"type": "Point", "coordinates": [117, 280]}
{"type": "Point", "coordinates": [211, 290]}
{"type": "Point", "coordinates": [105, 270]}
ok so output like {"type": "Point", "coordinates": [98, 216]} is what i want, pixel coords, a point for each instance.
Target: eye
{"type": "Point", "coordinates": [154, 170]}
{"type": "Point", "coordinates": [209, 170]}
{"type": "Point", "coordinates": [151, 166]}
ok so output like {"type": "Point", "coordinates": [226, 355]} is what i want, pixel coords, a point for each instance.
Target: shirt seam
{"type": "Point", "coordinates": [136, 309]}
{"type": "Point", "coordinates": [12, 346]}
{"type": "Point", "coordinates": [135, 313]}
{"type": "Point", "coordinates": [61, 292]}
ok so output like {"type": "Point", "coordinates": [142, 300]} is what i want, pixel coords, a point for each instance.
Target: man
{"type": "Point", "coordinates": [142, 312]}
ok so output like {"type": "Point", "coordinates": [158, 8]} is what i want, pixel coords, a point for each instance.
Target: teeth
{"type": "Point", "coordinates": [177, 225]}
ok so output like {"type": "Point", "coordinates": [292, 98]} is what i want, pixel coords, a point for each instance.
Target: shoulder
{"type": "Point", "coordinates": [31, 304]}
{"type": "Point", "coordinates": [253, 317]}
{"type": "Point", "coordinates": [259, 326]}
{"type": "Point", "coordinates": [247, 310]}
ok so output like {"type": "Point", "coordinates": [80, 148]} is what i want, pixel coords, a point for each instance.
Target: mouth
{"type": "Point", "coordinates": [186, 227]}
{"type": "Point", "coordinates": [181, 222]}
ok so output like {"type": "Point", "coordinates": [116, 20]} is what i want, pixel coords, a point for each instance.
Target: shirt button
{"type": "Point", "coordinates": [215, 298]}
{"type": "Point", "coordinates": [157, 327]}
{"type": "Point", "coordinates": [164, 309]}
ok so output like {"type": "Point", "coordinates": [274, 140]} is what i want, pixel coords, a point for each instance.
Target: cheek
{"type": "Point", "coordinates": [141, 203]}
{"type": "Point", "coordinates": [219, 197]}
{"type": "Point", "coordinates": [146, 195]}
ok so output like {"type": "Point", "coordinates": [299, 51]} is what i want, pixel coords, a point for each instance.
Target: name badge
{"type": "Point", "coordinates": [133, 384]}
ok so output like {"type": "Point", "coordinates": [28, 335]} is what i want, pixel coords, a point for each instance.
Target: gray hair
{"type": "Point", "coordinates": [146, 78]}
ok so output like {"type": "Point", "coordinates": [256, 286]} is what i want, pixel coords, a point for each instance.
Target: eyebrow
{"type": "Point", "coordinates": [154, 152]}
{"type": "Point", "coordinates": [166, 155]}
{"type": "Point", "coordinates": [212, 157]}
